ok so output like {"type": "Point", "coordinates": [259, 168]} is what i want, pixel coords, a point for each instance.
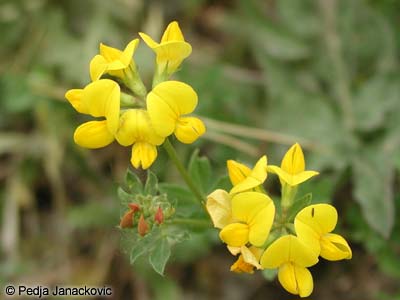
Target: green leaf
{"type": "Point", "coordinates": [151, 186]}
{"type": "Point", "coordinates": [373, 179]}
{"type": "Point", "coordinates": [144, 244]}
{"type": "Point", "coordinates": [200, 171]}
{"type": "Point", "coordinates": [298, 205]}
{"type": "Point", "coordinates": [133, 183]}
{"type": "Point", "coordinates": [160, 255]}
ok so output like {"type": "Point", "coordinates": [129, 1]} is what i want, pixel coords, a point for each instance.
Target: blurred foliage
{"type": "Point", "coordinates": [324, 73]}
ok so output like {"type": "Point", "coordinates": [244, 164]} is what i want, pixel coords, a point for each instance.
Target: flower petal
{"type": "Point", "coordinates": [293, 161]}
{"type": "Point", "coordinates": [171, 54]}
{"type": "Point", "coordinates": [148, 40]}
{"type": "Point", "coordinates": [172, 33]}
{"type": "Point", "coordinates": [235, 234]}
{"type": "Point", "coordinates": [143, 155]}
{"type": "Point", "coordinates": [167, 102]}
{"type": "Point", "coordinates": [261, 224]}
{"type": "Point", "coordinates": [308, 236]}
{"type": "Point", "coordinates": [189, 129]}
{"type": "Point", "coordinates": [98, 66]}
{"type": "Point", "coordinates": [257, 177]}
{"type": "Point", "coordinates": [93, 134]}
{"type": "Point", "coordinates": [335, 247]}
{"type": "Point", "coordinates": [127, 54]}
{"type": "Point", "coordinates": [102, 97]}
{"type": "Point", "coordinates": [219, 207]}
{"type": "Point", "coordinates": [303, 176]}
{"type": "Point", "coordinates": [237, 171]}
{"type": "Point", "coordinates": [110, 54]}
{"type": "Point", "coordinates": [241, 266]}
{"type": "Point", "coordinates": [296, 280]}
{"type": "Point", "coordinates": [252, 256]}
{"type": "Point", "coordinates": [74, 97]}
{"type": "Point", "coordinates": [288, 248]}
{"type": "Point", "coordinates": [322, 218]}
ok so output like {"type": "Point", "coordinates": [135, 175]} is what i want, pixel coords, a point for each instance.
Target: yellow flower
{"type": "Point", "coordinates": [98, 99]}
{"type": "Point", "coordinates": [292, 170]}
{"type": "Point", "coordinates": [253, 214]}
{"type": "Point", "coordinates": [112, 60]}
{"type": "Point", "coordinates": [135, 128]}
{"type": "Point", "coordinates": [245, 179]}
{"type": "Point", "coordinates": [219, 207]}
{"type": "Point", "coordinates": [172, 49]}
{"type": "Point", "coordinates": [248, 259]}
{"type": "Point", "coordinates": [313, 225]}
{"type": "Point", "coordinates": [292, 257]}
{"type": "Point", "coordinates": [167, 104]}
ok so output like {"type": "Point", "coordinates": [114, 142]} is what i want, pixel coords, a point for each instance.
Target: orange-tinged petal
{"type": "Point", "coordinates": [93, 134]}
{"type": "Point", "coordinates": [335, 247]}
{"type": "Point", "coordinates": [237, 171]}
{"type": "Point", "coordinates": [235, 234]}
{"type": "Point", "coordinates": [241, 266]}
{"type": "Point", "coordinates": [74, 97]}
{"type": "Point", "coordinates": [219, 207]}
{"type": "Point", "coordinates": [189, 129]}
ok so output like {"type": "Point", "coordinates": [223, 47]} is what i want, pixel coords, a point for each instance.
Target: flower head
{"type": "Point", "coordinates": [292, 257]}
{"type": "Point", "coordinates": [168, 104]}
{"type": "Point", "coordinates": [112, 60]}
{"type": "Point", "coordinates": [98, 99]}
{"type": "Point", "coordinates": [313, 225]}
{"type": "Point", "coordinates": [135, 129]}
{"type": "Point", "coordinates": [253, 214]}
{"type": "Point", "coordinates": [172, 49]}
{"type": "Point", "coordinates": [245, 179]}
{"type": "Point", "coordinates": [292, 170]}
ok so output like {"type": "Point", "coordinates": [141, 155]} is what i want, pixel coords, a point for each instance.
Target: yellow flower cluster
{"type": "Point", "coordinates": [265, 240]}
{"type": "Point", "coordinates": [138, 119]}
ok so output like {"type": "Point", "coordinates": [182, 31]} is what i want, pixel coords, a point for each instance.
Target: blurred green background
{"type": "Point", "coordinates": [324, 73]}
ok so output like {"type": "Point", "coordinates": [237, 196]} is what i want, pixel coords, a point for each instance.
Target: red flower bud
{"type": "Point", "coordinates": [159, 216]}
{"type": "Point", "coordinates": [143, 228]}
{"type": "Point", "coordinates": [134, 207]}
{"type": "Point", "coordinates": [127, 219]}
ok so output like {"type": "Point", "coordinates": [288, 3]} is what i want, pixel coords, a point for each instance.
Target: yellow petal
{"type": "Point", "coordinates": [172, 33]}
{"type": "Point", "coordinates": [135, 126]}
{"type": "Point", "coordinates": [219, 207]}
{"type": "Point", "coordinates": [93, 134]}
{"type": "Point", "coordinates": [303, 176]}
{"type": "Point", "coordinates": [167, 102]}
{"type": "Point", "coordinates": [130, 49]}
{"type": "Point", "coordinates": [148, 40]}
{"type": "Point", "coordinates": [237, 171]}
{"type": "Point", "coordinates": [235, 234]}
{"type": "Point", "coordinates": [110, 54]}
{"type": "Point", "coordinates": [288, 248]}
{"type": "Point", "coordinates": [102, 97]}
{"type": "Point", "coordinates": [335, 247]}
{"type": "Point", "coordinates": [235, 250]}
{"type": "Point", "coordinates": [308, 236]}
{"type": "Point", "coordinates": [143, 155]}
{"type": "Point", "coordinates": [290, 179]}
{"type": "Point", "coordinates": [98, 66]}
{"type": "Point", "coordinates": [74, 97]}
{"type": "Point", "coordinates": [322, 218]}
{"type": "Point", "coordinates": [293, 161]}
{"type": "Point", "coordinates": [296, 280]}
{"type": "Point", "coordinates": [171, 54]}
{"type": "Point", "coordinates": [258, 211]}
{"type": "Point", "coordinates": [189, 129]}
{"type": "Point", "coordinates": [257, 177]}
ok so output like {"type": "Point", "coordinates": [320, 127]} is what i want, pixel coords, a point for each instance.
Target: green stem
{"type": "Point", "coordinates": [182, 170]}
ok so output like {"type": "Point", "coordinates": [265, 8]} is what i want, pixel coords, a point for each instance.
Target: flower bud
{"type": "Point", "coordinates": [127, 219]}
{"type": "Point", "coordinates": [134, 207]}
{"type": "Point", "coordinates": [143, 228]}
{"type": "Point", "coordinates": [159, 216]}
